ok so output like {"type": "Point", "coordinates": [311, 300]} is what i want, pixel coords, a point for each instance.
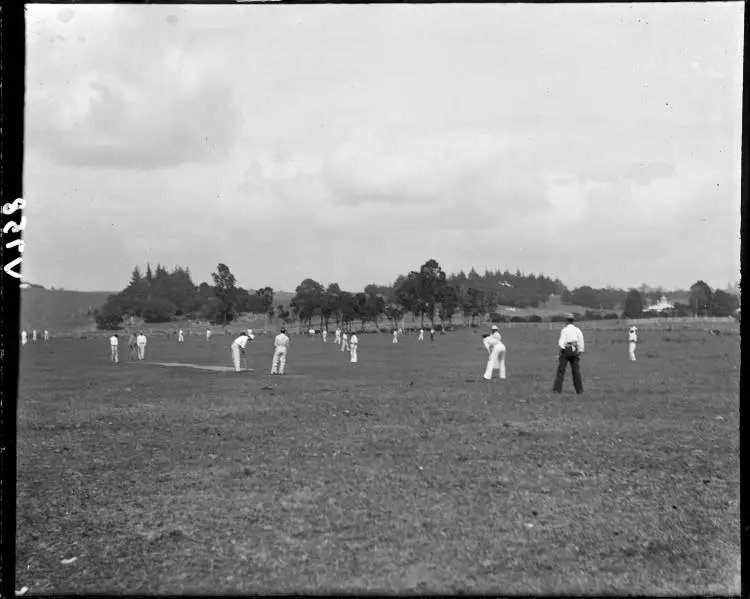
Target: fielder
{"type": "Point", "coordinates": [141, 341]}
{"type": "Point", "coordinates": [240, 345]}
{"type": "Point", "coordinates": [325, 336]}
{"type": "Point", "coordinates": [114, 348]}
{"type": "Point", "coordinates": [432, 334]}
{"type": "Point", "coordinates": [132, 346]}
{"type": "Point", "coordinates": [180, 336]}
{"type": "Point", "coordinates": [496, 351]}
{"type": "Point", "coordinates": [421, 335]}
{"type": "Point", "coordinates": [344, 342]}
{"type": "Point", "coordinates": [571, 347]}
{"type": "Point", "coordinates": [46, 336]}
{"type": "Point", "coordinates": [281, 343]}
{"type": "Point", "coordinates": [24, 338]}
{"type": "Point", "coordinates": [33, 335]}
{"type": "Point", "coordinates": [632, 341]}
{"type": "Point", "coordinates": [338, 336]}
{"type": "Point", "coordinates": [395, 336]}
{"type": "Point", "coordinates": [208, 335]}
{"type": "Point", "coordinates": [353, 344]}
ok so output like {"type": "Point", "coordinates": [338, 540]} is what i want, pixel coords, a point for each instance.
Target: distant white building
{"type": "Point", "coordinates": [662, 304]}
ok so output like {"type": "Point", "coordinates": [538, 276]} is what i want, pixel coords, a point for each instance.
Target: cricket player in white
{"type": "Point", "coordinates": [46, 336]}
{"type": "Point", "coordinates": [140, 342]}
{"type": "Point", "coordinates": [311, 332]}
{"type": "Point", "coordinates": [325, 336]}
{"type": "Point", "coordinates": [395, 336]}
{"type": "Point", "coordinates": [208, 335]}
{"type": "Point", "coordinates": [24, 337]}
{"type": "Point", "coordinates": [33, 335]}
{"type": "Point", "coordinates": [338, 336]}
{"type": "Point", "coordinates": [240, 345]}
{"type": "Point", "coordinates": [114, 349]}
{"type": "Point", "coordinates": [280, 343]}
{"type": "Point", "coordinates": [180, 336]}
{"type": "Point", "coordinates": [632, 341]}
{"type": "Point", "coordinates": [344, 342]}
{"type": "Point", "coordinates": [353, 344]}
{"type": "Point", "coordinates": [421, 335]}
{"type": "Point", "coordinates": [496, 351]}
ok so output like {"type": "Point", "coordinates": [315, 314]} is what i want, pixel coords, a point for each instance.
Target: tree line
{"type": "Point", "coordinates": [428, 293]}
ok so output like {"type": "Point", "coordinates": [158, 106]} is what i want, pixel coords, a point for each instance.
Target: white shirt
{"type": "Point", "coordinates": [492, 341]}
{"type": "Point", "coordinates": [345, 336]}
{"type": "Point", "coordinates": [141, 339]}
{"type": "Point", "coordinates": [114, 341]}
{"type": "Point", "coordinates": [23, 334]}
{"type": "Point", "coordinates": [208, 333]}
{"type": "Point", "coordinates": [353, 340]}
{"type": "Point", "coordinates": [571, 334]}
{"type": "Point", "coordinates": [242, 340]}
{"type": "Point", "coordinates": [632, 336]}
{"type": "Point", "coordinates": [281, 340]}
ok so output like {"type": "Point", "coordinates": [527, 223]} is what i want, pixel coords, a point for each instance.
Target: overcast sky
{"type": "Point", "coordinates": [595, 143]}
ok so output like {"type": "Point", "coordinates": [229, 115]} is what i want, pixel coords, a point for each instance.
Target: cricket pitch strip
{"type": "Point", "coordinates": [199, 367]}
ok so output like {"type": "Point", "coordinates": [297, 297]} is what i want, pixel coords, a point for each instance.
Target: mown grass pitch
{"type": "Point", "coordinates": [404, 472]}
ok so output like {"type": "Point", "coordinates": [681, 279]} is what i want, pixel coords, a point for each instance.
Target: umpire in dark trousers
{"type": "Point", "coordinates": [571, 347]}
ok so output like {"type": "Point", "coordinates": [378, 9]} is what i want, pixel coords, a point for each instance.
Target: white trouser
{"type": "Point", "coordinates": [631, 350]}
{"type": "Point", "coordinates": [279, 360]}
{"type": "Point", "coordinates": [337, 339]}
{"type": "Point", "coordinates": [114, 353]}
{"type": "Point", "coordinates": [325, 336]}
{"type": "Point", "coordinates": [344, 345]}
{"type": "Point", "coordinates": [395, 339]}
{"type": "Point", "coordinates": [23, 340]}
{"type": "Point", "coordinates": [141, 352]}
{"type": "Point", "coordinates": [353, 353]}
{"type": "Point", "coordinates": [236, 357]}
{"type": "Point", "coordinates": [180, 338]}
{"type": "Point", "coordinates": [421, 336]}
{"type": "Point", "coordinates": [496, 360]}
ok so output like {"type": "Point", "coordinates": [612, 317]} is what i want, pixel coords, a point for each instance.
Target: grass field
{"type": "Point", "coordinates": [406, 472]}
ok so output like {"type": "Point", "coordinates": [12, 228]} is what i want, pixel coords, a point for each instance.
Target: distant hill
{"type": "Point", "coordinates": [59, 311]}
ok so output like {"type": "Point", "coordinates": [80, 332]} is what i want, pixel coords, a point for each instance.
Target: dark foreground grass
{"type": "Point", "coordinates": [405, 472]}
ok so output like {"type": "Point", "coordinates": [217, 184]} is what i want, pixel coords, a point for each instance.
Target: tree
{"type": "Point", "coordinates": [449, 303]}
{"type": "Point", "coordinates": [226, 291]}
{"type": "Point", "coordinates": [431, 283]}
{"type": "Point", "coordinates": [633, 304]}
{"type": "Point", "coordinates": [110, 316]}
{"type": "Point", "coordinates": [308, 300]}
{"type": "Point", "coordinates": [724, 304]}
{"type": "Point", "coordinates": [700, 299]}
{"type": "Point", "coordinates": [266, 296]}
{"type": "Point", "coordinates": [159, 310]}
{"type": "Point", "coordinates": [407, 293]}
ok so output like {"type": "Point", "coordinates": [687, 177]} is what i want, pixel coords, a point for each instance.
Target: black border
{"type": "Point", "coordinates": [12, 92]}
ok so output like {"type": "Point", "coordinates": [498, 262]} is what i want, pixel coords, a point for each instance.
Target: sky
{"type": "Point", "coordinates": [599, 144]}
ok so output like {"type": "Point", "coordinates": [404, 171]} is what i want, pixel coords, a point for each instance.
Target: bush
{"type": "Point", "coordinates": [591, 315]}
{"type": "Point", "coordinates": [108, 320]}
{"type": "Point", "coordinates": [557, 318]}
{"type": "Point", "coordinates": [518, 319]}
{"type": "Point", "coordinates": [495, 318]}
{"type": "Point", "coordinates": [535, 318]}
{"type": "Point", "coordinates": [611, 316]}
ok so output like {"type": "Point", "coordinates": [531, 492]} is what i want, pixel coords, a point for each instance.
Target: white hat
{"type": "Point", "coordinates": [494, 327]}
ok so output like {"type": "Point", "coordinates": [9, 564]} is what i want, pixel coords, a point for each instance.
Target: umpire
{"type": "Point", "coordinates": [571, 347]}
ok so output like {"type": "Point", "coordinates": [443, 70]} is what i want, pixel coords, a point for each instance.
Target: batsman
{"type": "Point", "coordinates": [239, 346]}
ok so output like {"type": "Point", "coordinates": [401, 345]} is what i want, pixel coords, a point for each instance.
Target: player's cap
{"type": "Point", "coordinates": [249, 332]}
{"type": "Point", "coordinates": [493, 327]}
{"type": "Point", "coordinates": [283, 330]}
{"type": "Point", "coordinates": [570, 317]}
